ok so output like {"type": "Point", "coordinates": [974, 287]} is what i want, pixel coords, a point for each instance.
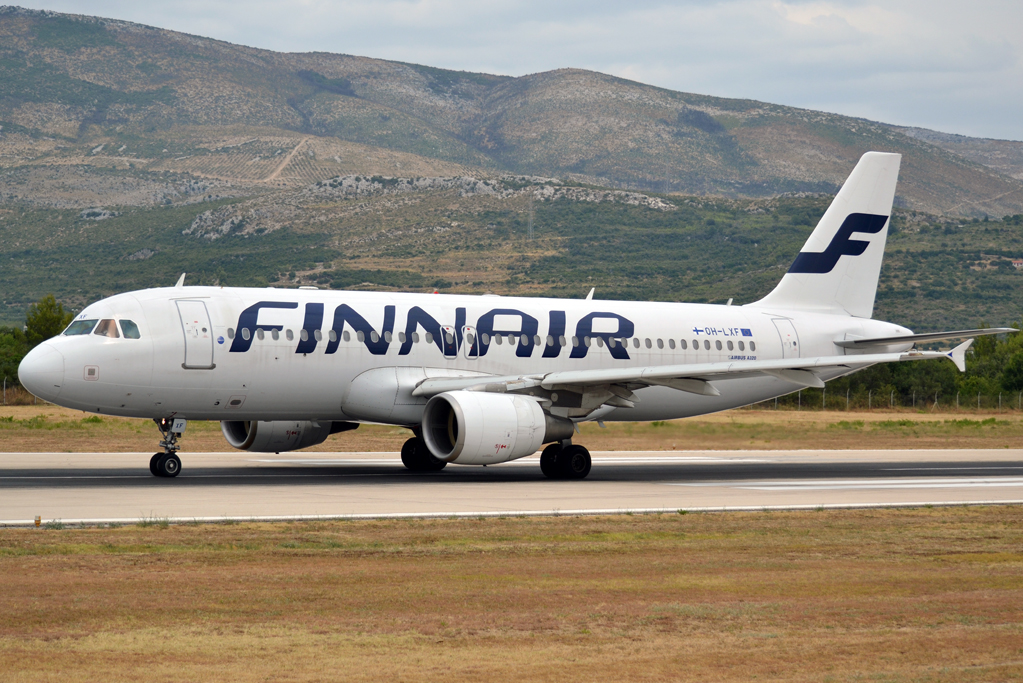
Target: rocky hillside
{"type": "Point", "coordinates": [96, 111]}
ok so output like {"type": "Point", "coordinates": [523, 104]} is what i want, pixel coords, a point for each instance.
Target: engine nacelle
{"type": "Point", "coordinates": [281, 435]}
{"type": "Point", "coordinates": [480, 428]}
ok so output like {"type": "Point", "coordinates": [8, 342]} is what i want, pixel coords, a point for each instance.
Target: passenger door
{"type": "Point", "coordinates": [789, 338]}
{"type": "Point", "coordinates": [195, 324]}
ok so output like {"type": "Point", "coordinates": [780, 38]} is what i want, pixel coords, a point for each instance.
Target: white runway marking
{"type": "Point", "coordinates": [529, 462]}
{"type": "Point", "coordinates": [863, 484]}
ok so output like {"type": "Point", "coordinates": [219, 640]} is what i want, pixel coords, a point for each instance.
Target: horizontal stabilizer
{"type": "Point", "coordinates": [916, 338]}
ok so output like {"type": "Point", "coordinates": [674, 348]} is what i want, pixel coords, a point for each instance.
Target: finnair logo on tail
{"type": "Point", "coordinates": [841, 244]}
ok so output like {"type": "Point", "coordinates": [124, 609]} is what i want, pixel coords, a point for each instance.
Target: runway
{"type": "Point", "coordinates": [117, 487]}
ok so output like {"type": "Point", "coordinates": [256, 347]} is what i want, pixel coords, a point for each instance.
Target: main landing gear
{"type": "Point", "coordinates": [167, 463]}
{"type": "Point", "coordinates": [565, 461]}
{"type": "Point", "coordinates": [418, 458]}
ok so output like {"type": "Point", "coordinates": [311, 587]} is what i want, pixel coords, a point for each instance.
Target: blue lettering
{"type": "Point", "coordinates": [529, 327]}
{"type": "Point", "coordinates": [585, 329]}
{"type": "Point", "coordinates": [249, 320]}
{"type": "Point", "coordinates": [313, 322]}
{"type": "Point", "coordinates": [841, 244]}
{"type": "Point", "coordinates": [377, 343]}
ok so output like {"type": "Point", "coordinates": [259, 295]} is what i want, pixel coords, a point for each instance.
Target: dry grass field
{"type": "Point", "coordinates": [48, 428]}
{"type": "Point", "coordinates": [882, 595]}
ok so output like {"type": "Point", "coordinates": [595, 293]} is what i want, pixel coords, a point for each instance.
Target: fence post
{"type": "Point", "coordinates": [957, 400]}
{"type": "Point", "coordinates": [5, 389]}
{"type": "Point", "coordinates": [999, 400]}
{"type": "Point", "coordinates": [935, 400]}
{"type": "Point", "coordinates": [891, 399]}
{"type": "Point", "coordinates": [847, 399]}
{"type": "Point", "coordinates": [914, 398]}
{"type": "Point", "coordinates": [799, 398]}
{"type": "Point", "coordinates": [978, 400]}
{"type": "Point", "coordinates": [776, 403]}
{"type": "Point", "coordinates": [824, 398]}
{"type": "Point", "coordinates": [869, 391]}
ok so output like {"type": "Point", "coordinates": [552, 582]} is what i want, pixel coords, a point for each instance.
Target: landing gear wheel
{"type": "Point", "coordinates": [418, 458]}
{"type": "Point", "coordinates": [549, 460]}
{"type": "Point", "coordinates": [574, 463]}
{"type": "Point", "coordinates": [169, 465]}
{"type": "Point", "coordinates": [152, 464]}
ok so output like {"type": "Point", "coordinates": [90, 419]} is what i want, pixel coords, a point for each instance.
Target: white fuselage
{"type": "Point", "coordinates": [185, 365]}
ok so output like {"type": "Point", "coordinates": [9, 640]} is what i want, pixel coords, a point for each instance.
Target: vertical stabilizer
{"type": "Point", "coordinates": [837, 269]}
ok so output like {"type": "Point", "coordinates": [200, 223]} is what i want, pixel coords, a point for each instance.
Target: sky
{"type": "Point", "coordinates": [948, 65]}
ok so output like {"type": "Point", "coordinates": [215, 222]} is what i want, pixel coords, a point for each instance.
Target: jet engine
{"type": "Point", "coordinates": [281, 435]}
{"type": "Point", "coordinates": [480, 428]}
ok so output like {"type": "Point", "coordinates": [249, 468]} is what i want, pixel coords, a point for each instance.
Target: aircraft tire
{"type": "Point", "coordinates": [417, 457]}
{"type": "Point", "coordinates": [153, 462]}
{"type": "Point", "coordinates": [169, 465]}
{"type": "Point", "coordinates": [549, 461]}
{"type": "Point", "coordinates": [574, 463]}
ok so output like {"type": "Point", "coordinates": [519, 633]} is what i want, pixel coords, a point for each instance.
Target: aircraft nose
{"type": "Point", "coordinates": [42, 371]}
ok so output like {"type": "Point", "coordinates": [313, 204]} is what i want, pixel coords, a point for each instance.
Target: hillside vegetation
{"type": "Point", "coordinates": [130, 154]}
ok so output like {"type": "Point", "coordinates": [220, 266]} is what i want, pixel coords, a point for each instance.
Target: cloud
{"type": "Point", "coordinates": [941, 64]}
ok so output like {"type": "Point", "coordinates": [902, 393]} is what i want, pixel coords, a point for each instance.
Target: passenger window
{"type": "Point", "coordinates": [660, 343]}
{"type": "Point", "coordinates": [683, 343]}
{"type": "Point", "coordinates": [717, 344]}
{"type": "Point", "coordinates": [346, 335]}
{"type": "Point", "coordinates": [706, 345]}
{"type": "Point", "coordinates": [752, 346]}
{"type": "Point", "coordinates": [130, 330]}
{"type": "Point", "coordinates": [587, 341]}
{"type": "Point", "coordinates": [600, 342]}
{"type": "Point", "coordinates": [401, 337]}
{"type": "Point", "coordinates": [259, 333]}
{"type": "Point", "coordinates": [107, 328]}
{"type": "Point", "coordinates": [647, 342]}
{"type": "Point", "coordinates": [332, 335]}
{"type": "Point", "coordinates": [317, 335]}
{"type": "Point", "coordinates": [230, 333]}
{"type": "Point", "coordinates": [696, 345]}
{"type": "Point", "coordinates": [415, 337]}
{"type": "Point", "coordinates": [79, 327]}
{"type": "Point", "coordinates": [387, 337]}
{"type": "Point", "coordinates": [635, 342]}
{"type": "Point", "coordinates": [290, 335]}
{"type": "Point", "coordinates": [275, 334]}
{"type": "Point", "coordinates": [671, 344]}
{"type": "Point", "coordinates": [498, 339]}
{"type": "Point", "coordinates": [563, 341]}
{"type": "Point", "coordinates": [360, 336]}
{"type": "Point", "coordinates": [429, 338]}
{"type": "Point", "coordinates": [742, 346]}
{"type": "Point", "coordinates": [575, 342]}
{"type": "Point", "coordinates": [246, 335]}
{"type": "Point", "coordinates": [303, 334]}
{"type": "Point", "coordinates": [730, 347]}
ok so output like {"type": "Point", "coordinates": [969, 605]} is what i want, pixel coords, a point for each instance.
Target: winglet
{"type": "Point", "coordinates": [181, 281]}
{"type": "Point", "coordinates": [589, 297]}
{"type": "Point", "coordinates": [958, 355]}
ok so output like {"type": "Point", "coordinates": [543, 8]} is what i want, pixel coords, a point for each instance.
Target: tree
{"type": "Point", "coordinates": [46, 318]}
{"type": "Point", "coordinates": [12, 350]}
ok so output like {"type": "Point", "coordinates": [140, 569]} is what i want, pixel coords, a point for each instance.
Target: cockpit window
{"type": "Point", "coordinates": [79, 327]}
{"type": "Point", "coordinates": [107, 328]}
{"type": "Point", "coordinates": [130, 329]}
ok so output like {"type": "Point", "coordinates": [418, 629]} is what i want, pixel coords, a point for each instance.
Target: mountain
{"type": "Point", "coordinates": [110, 94]}
{"type": "Point", "coordinates": [130, 154]}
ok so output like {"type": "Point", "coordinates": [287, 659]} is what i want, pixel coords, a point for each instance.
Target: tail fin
{"type": "Point", "coordinates": [837, 269]}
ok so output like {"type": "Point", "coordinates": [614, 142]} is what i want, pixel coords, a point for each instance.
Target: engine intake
{"type": "Point", "coordinates": [480, 428]}
{"type": "Point", "coordinates": [280, 435]}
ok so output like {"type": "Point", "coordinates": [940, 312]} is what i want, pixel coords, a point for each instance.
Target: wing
{"type": "Point", "coordinates": [614, 386]}
{"type": "Point", "coordinates": [914, 338]}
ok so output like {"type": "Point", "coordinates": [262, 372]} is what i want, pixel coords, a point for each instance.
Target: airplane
{"type": "Point", "coordinates": [480, 380]}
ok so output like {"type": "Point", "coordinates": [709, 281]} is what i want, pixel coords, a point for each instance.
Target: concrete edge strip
{"type": "Point", "coordinates": [505, 513]}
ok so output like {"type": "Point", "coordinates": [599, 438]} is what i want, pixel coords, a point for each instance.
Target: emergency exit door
{"type": "Point", "coordinates": [195, 323]}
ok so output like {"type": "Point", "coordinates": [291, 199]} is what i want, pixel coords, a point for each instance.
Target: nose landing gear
{"type": "Point", "coordinates": [167, 463]}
